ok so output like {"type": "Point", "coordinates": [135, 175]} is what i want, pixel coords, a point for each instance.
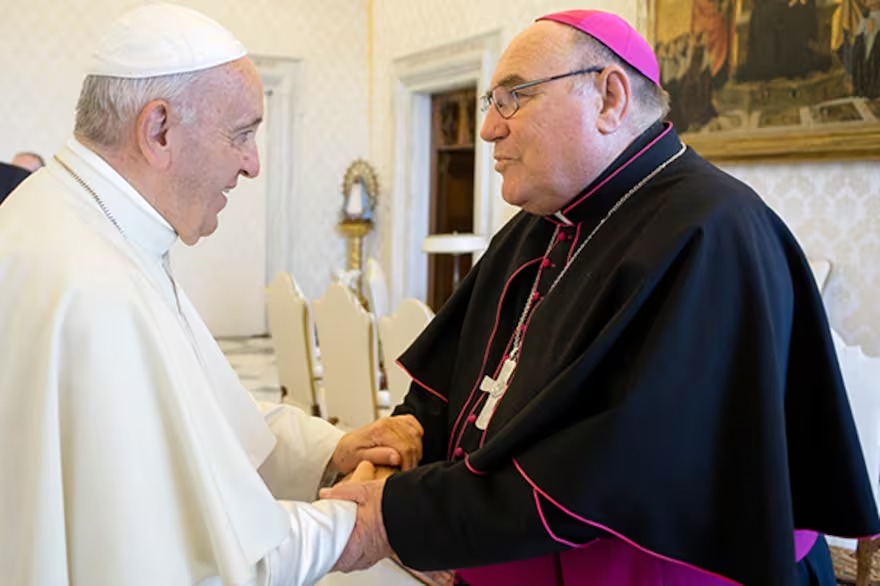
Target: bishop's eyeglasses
{"type": "Point", "coordinates": [505, 98]}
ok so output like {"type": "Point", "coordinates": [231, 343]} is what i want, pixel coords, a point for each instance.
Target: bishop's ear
{"type": "Point", "coordinates": [152, 133]}
{"type": "Point", "coordinates": [616, 93]}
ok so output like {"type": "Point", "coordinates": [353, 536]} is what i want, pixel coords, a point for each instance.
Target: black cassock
{"type": "Point", "coordinates": [677, 387]}
{"type": "Point", "coordinates": [10, 177]}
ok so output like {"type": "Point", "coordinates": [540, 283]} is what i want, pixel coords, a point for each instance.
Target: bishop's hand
{"type": "Point", "coordinates": [390, 441]}
{"type": "Point", "coordinates": [368, 543]}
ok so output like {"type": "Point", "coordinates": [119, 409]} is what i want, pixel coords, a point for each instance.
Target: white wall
{"type": "Point", "coordinates": [834, 208]}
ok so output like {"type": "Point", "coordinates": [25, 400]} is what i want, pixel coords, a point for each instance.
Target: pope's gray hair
{"type": "Point", "coordinates": [109, 106]}
{"type": "Point", "coordinates": [650, 100]}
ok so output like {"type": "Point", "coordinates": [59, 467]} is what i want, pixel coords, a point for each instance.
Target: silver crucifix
{"type": "Point", "coordinates": [496, 388]}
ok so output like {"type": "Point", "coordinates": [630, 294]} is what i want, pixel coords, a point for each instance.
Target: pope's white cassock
{"type": "Point", "coordinates": [130, 453]}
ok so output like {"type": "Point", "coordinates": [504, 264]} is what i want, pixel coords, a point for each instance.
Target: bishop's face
{"type": "Point", "coordinates": [545, 151]}
{"type": "Point", "coordinates": [215, 148]}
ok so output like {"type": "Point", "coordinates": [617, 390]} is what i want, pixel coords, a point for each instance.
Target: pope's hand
{"type": "Point", "coordinates": [368, 542]}
{"type": "Point", "coordinates": [366, 471]}
{"type": "Point", "coordinates": [390, 441]}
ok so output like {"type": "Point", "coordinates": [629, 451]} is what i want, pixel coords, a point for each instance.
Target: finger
{"type": "Point", "coordinates": [364, 471]}
{"type": "Point", "coordinates": [404, 440]}
{"type": "Point", "coordinates": [412, 423]}
{"type": "Point", "coordinates": [384, 472]}
{"type": "Point", "coordinates": [412, 457]}
{"type": "Point", "coordinates": [405, 427]}
{"type": "Point", "coordinates": [381, 456]}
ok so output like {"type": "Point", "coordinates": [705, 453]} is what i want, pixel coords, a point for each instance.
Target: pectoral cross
{"type": "Point", "coordinates": [496, 388]}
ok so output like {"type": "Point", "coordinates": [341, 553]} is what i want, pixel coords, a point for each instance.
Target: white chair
{"type": "Point", "coordinates": [293, 335]}
{"type": "Point", "coordinates": [861, 374]}
{"type": "Point", "coordinates": [821, 268]}
{"type": "Point", "coordinates": [350, 357]}
{"type": "Point", "coordinates": [376, 288]}
{"type": "Point", "coordinates": [397, 332]}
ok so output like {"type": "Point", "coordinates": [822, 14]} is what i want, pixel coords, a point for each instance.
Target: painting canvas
{"type": "Point", "coordinates": [771, 79]}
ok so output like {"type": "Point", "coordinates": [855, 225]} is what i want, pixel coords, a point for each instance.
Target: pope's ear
{"type": "Point", "coordinates": [152, 134]}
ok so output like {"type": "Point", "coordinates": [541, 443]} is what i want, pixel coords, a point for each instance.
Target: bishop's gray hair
{"type": "Point", "coordinates": [651, 101]}
{"type": "Point", "coordinates": [108, 106]}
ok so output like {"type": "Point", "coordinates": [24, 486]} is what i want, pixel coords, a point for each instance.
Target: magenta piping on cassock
{"type": "Point", "coordinates": [453, 440]}
{"type": "Point", "coordinates": [619, 169]}
{"type": "Point", "coordinates": [423, 385]}
{"type": "Point", "coordinates": [546, 525]}
{"type": "Point", "coordinates": [467, 462]}
{"type": "Point", "coordinates": [616, 534]}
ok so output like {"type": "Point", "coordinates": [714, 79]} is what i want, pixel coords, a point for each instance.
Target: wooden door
{"type": "Point", "coordinates": [453, 132]}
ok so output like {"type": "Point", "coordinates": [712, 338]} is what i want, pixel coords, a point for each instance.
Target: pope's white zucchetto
{"type": "Point", "coordinates": [162, 39]}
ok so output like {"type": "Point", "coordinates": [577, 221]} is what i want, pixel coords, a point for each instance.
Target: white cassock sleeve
{"type": "Point", "coordinates": [293, 471]}
{"type": "Point", "coordinates": [319, 533]}
{"type": "Point", "coordinates": [303, 447]}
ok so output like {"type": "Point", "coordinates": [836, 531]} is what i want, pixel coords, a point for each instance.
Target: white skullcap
{"type": "Point", "coordinates": [163, 39]}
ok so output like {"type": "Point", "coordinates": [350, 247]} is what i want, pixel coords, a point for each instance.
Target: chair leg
{"type": "Point", "coordinates": [864, 556]}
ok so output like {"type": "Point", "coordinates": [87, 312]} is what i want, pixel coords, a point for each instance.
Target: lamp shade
{"type": "Point", "coordinates": [454, 243]}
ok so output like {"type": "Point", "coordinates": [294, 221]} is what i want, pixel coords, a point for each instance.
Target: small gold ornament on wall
{"type": "Point", "coordinates": [360, 187]}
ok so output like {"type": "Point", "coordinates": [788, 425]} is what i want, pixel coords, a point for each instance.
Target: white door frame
{"type": "Point", "coordinates": [415, 78]}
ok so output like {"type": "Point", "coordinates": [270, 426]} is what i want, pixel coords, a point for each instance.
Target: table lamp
{"type": "Point", "coordinates": [455, 244]}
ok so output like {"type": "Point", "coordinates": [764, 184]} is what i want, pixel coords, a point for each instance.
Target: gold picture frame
{"type": "Point", "coordinates": [770, 80]}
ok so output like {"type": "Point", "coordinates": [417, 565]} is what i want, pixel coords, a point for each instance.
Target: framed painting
{"type": "Point", "coordinates": [759, 80]}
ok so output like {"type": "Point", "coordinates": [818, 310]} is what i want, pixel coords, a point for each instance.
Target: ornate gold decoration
{"type": "Point", "coordinates": [361, 172]}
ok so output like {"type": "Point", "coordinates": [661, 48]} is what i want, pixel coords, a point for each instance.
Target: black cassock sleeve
{"type": "Point", "coordinates": [444, 516]}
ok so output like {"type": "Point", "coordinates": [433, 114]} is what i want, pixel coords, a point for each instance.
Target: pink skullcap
{"type": "Point", "coordinates": [616, 34]}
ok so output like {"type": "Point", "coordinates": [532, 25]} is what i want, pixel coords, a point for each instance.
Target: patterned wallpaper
{"type": "Point", "coordinates": [833, 208]}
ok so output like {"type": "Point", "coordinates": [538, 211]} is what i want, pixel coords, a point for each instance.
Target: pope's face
{"type": "Point", "coordinates": [546, 151]}
{"type": "Point", "coordinates": [215, 148]}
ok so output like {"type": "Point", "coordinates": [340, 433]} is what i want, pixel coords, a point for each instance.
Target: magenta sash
{"type": "Point", "coordinates": [609, 561]}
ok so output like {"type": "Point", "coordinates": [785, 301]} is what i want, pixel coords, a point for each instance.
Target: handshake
{"type": "Point", "coordinates": [370, 455]}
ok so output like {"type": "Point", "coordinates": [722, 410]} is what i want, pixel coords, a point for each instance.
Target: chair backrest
{"type": "Point", "coordinates": [821, 268]}
{"type": "Point", "coordinates": [397, 332]}
{"type": "Point", "coordinates": [376, 288]}
{"type": "Point", "coordinates": [292, 330]}
{"type": "Point", "coordinates": [349, 354]}
{"type": "Point", "coordinates": [861, 375]}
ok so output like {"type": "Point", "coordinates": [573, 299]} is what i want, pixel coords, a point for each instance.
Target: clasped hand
{"type": "Point", "coordinates": [388, 443]}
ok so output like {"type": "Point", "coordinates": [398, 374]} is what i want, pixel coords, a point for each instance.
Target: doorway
{"type": "Point", "coordinates": [453, 131]}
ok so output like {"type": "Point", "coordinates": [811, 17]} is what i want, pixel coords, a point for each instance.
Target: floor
{"type": "Point", "coordinates": [254, 361]}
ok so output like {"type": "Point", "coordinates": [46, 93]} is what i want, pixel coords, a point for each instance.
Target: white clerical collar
{"type": "Point", "coordinates": [139, 221]}
{"type": "Point", "coordinates": [563, 218]}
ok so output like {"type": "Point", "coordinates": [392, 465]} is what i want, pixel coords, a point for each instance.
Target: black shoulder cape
{"type": "Point", "coordinates": [678, 386]}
